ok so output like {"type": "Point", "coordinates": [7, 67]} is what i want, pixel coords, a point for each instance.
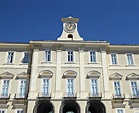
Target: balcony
{"type": "Point", "coordinates": [134, 96]}
{"type": "Point", "coordinates": [20, 96]}
{"type": "Point", "coordinates": [118, 96]}
{"type": "Point", "coordinates": [44, 95]}
{"type": "Point", "coordinates": [95, 95]}
{"type": "Point", "coordinates": [70, 95]}
{"type": "Point", "coordinates": [4, 96]}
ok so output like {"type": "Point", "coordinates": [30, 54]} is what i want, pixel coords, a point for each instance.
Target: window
{"type": "Point", "coordinates": [134, 88]}
{"type": "Point", "coordinates": [130, 59]}
{"type": "Point", "coordinates": [94, 87]}
{"type": "Point", "coordinates": [120, 111]}
{"type": "Point", "coordinates": [19, 111]}
{"type": "Point", "coordinates": [45, 87]}
{"type": "Point", "coordinates": [10, 57]}
{"type": "Point", "coordinates": [26, 57]}
{"type": "Point", "coordinates": [70, 56]}
{"type": "Point", "coordinates": [47, 56]}
{"type": "Point", "coordinates": [92, 56]}
{"type": "Point", "coordinates": [5, 88]}
{"type": "Point", "coordinates": [22, 90]}
{"type": "Point", "coordinates": [70, 87]}
{"type": "Point", "coordinates": [117, 88]}
{"type": "Point", "coordinates": [2, 111]}
{"type": "Point", "coordinates": [113, 58]}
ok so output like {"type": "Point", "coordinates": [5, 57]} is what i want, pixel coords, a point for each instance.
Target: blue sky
{"type": "Point", "coordinates": [116, 21]}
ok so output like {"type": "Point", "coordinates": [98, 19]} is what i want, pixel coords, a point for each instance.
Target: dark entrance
{"type": "Point", "coordinates": [95, 107]}
{"type": "Point", "coordinates": [69, 107]}
{"type": "Point", "coordinates": [43, 107]}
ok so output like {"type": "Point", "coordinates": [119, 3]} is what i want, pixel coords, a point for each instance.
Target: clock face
{"type": "Point", "coordinates": [70, 26]}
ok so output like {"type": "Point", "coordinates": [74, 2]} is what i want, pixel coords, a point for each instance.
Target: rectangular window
{"type": "Point", "coordinates": [26, 57]}
{"type": "Point", "coordinates": [134, 88]}
{"type": "Point", "coordinates": [94, 87]}
{"type": "Point", "coordinates": [19, 111]}
{"type": "Point", "coordinates": [117, 88]}
{"type": "Point", "coordinates": [47, 56]}
{"type": "Point", "coordinates": [22, 92]}
{"type": "Point", "coordinates": [113, 58]}
{"type": "Point", "coordinates": [120, 111]}
{"type": "Point", "coordinates": [10, 57]}
{"type": "Point", "coordinates": [92, 56]}
{"type": "Point", "coordinates": [70, 87]}
{"type": "Point", "coordinates": [45, 87]}
{"type": "Point", "coordinates": [5, 88]}
{"type": "Point", "coordinates": [70, 56]}
{"type": "Point", "coordinates": [2, 111]}
{"type": "Point", "coordinates": [130, 59]}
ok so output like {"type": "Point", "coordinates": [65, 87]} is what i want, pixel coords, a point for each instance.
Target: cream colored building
{"type": "Point", "coordinates": [69, 75]}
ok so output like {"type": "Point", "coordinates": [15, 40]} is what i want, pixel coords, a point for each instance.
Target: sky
{"type": "Point", "coordinates": [115, 21]}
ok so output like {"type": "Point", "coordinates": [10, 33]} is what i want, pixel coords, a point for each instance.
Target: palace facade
{"type": "Point", "coordinates": [69, 75]}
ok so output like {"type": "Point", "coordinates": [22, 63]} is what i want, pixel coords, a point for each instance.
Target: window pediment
{"type": "Point", "coordinates": [132, 76]}
{"type": "Point", "coordinates": [93, 74]}
{"type": "Point", "coordinates": [23, 75]}
{"type": "Point", "coordinates": [116, 76]}
{"type": "Point", "coordinates": [6, 75]}
{"type": "Point", "coordinates": [45, 73]}
{"type": "Point", "coordinates": [69, 74]}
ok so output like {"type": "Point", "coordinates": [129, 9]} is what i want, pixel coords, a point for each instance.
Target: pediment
{"type": "Point", "coordinates": [23, 75]}
{"type": "Point", "coordinates": [45, 73]}
{"type": "Point", "coordinates": [132, 76]}
{"type": "Point", "coordinates": [93, 74]}
{"type": "Point", "coordinates": [6, 75]}
{"type": "Point", "coordinates": [116, 76]}
{"type": "Point", "coordinates": [69, 74]}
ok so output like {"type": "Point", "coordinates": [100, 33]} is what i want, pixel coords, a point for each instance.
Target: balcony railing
{"type": "Point", "coordinates": [44, 94]}
{"type": "Point", "coordinates": [70, 94]}
{"type": "Point", "coordinates": [118, 96]}
{"type": "Point", "coordinates": [134, 95]}
{"type": "Point", "coordinates": [4, 95]}
{"type": "Point", "coordinates": [95, 95]}
{"type": "Point", "coordinates": [20, 95]}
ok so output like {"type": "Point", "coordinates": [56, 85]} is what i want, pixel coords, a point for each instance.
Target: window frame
{"type": "Point", "coordinates": [48, 86]}
{"type": "Point", "coordinates": [91, 79]}
{"type": "Point", "coordinates": [24, 62]}
{"type": "Point", "coordinates": [115, 91]}
{"type": "Point", "coordinates": [5, 110]}
{"type": "Point", "coordinates": [7, 58]}
{"type": "Point", "coordinates": [49, 56]}
{"type": "Point", "coordinates": [91, 56]}
{"type": "Point", "coordinates": [127, 59]}
{"type": "Point", "coordinates": [120, 109]}
{"type": "Point", "coordinates": [16, 111]}
{"type": "Point", "coordinates": [73, 56]}
{"type": "Point", "coordinates": [23, 95]}
{"type": "Point", "coordinates": [69, 92]}
{"type": "Point", "coordinates": [2, 87]}
{"type": "Point", "coordinates": [136, 87]}
{"type": "Point", "coordinates": [116, 58]}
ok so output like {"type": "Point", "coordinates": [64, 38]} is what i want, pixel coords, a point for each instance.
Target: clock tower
{"type": "Point", "coordinates": [70, 31]}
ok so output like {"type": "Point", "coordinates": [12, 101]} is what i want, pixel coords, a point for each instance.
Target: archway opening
{"type": "Point", "coordinates": [95, 107]}
{"type": "Point", "coordinates": [44, 108]}
{"type": "Point", "coordinates": [70, 107]}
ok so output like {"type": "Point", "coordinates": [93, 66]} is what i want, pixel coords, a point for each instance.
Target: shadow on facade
{"type": "Point", "coordinates": [95, 106]}
{"type": "Point", "coordinates": [43, 107]}
{"type": "Point", "coordinates": [69, 106]}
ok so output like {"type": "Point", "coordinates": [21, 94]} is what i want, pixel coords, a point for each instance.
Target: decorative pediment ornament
{"type": "Point", "coordinates": [69, 74]}
{"type": "Point", "coordinates": [6, 75]}
{"type": "Point", "coordinates": [45, 73]}
{"type": "Point", "coordinates": [116, 76]}
{"type": "Point", "coordinates": [132, 76]}
{"type": "Point", "coordinates": [93, 74]}
{"type": "Point", "coordinates": [23, 75]}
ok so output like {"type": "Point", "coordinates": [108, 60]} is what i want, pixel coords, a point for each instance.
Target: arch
{"type": "Point", "coordinates": [69, 74]}
{"type": "Point", "coordinates": [95, 107]}
{"type": "Point", "coordinates": [43, 107]}
{"type": "Point", "coordinates": [93, 74]}
{"type": "Point", "coordinates": [70, 36]}
{"type": "Point", "coordinates": [45, 73]}
{"type": "Point", "coordinates": [69, 106]}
